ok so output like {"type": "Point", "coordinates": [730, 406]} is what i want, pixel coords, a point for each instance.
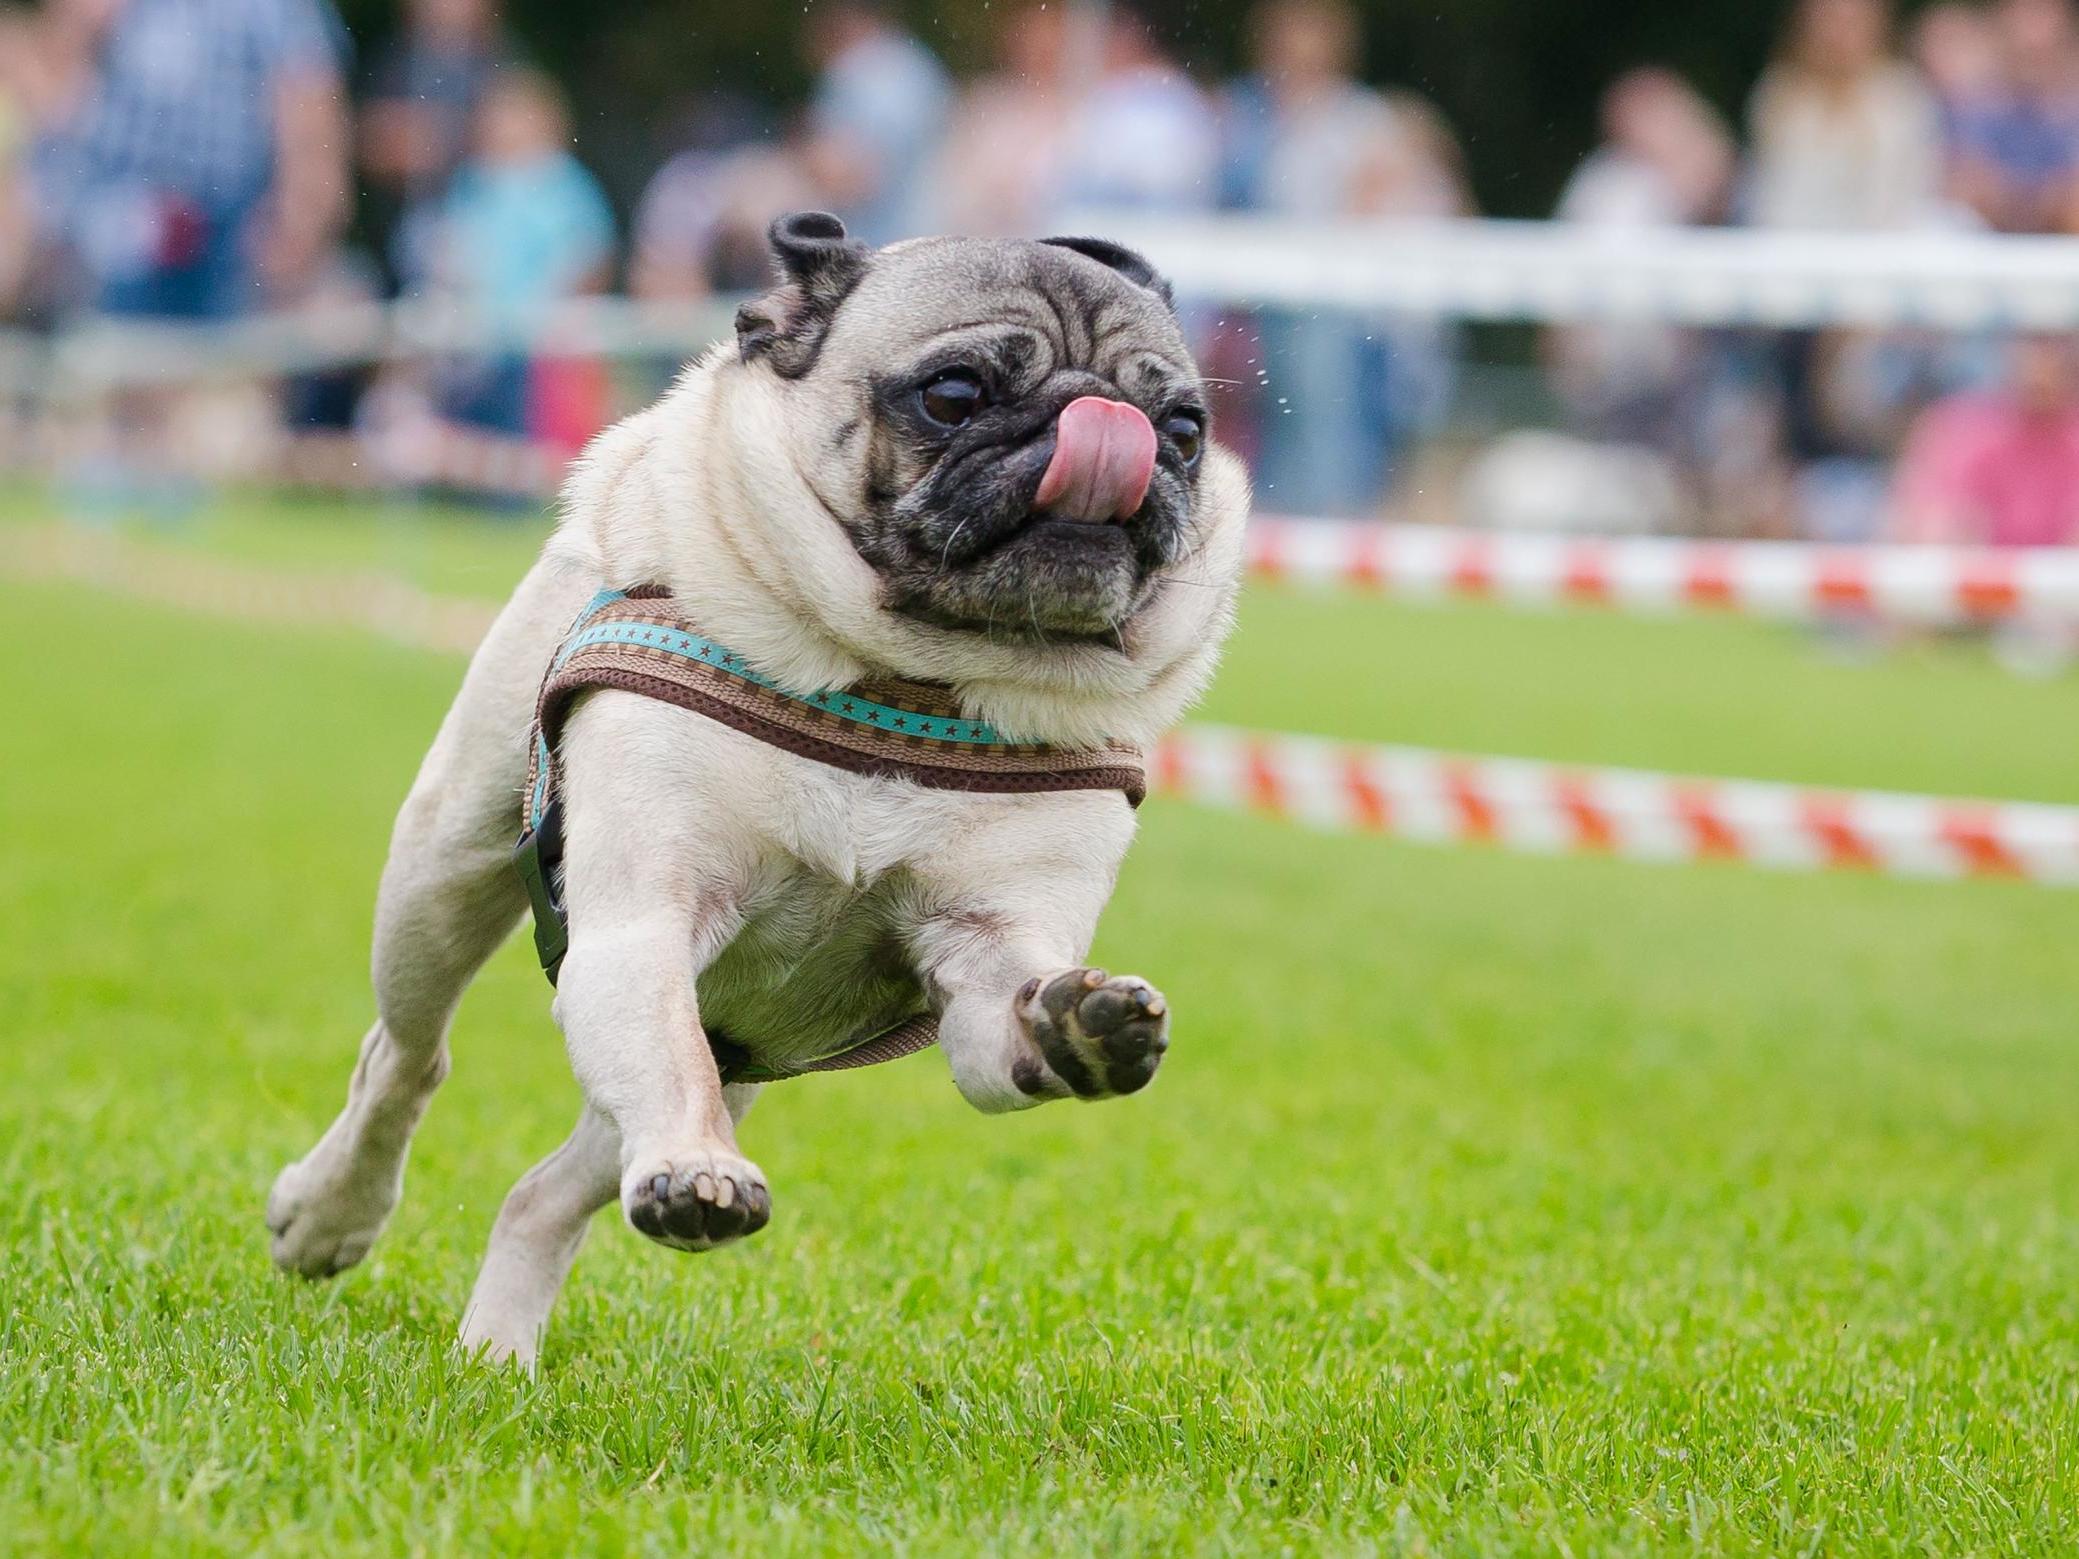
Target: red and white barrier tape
{"type": "Point", "coordinates": [1407, 792]}
{"type": "Point", "coordinates": [1918, 584]}
{"type": "Point", "coordinates": [1554, 809]}
{"type": "Point", "coordinates": [1926, 585]}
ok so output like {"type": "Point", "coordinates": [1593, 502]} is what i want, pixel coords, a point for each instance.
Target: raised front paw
{"type": "Point", "coordinates": [697, 1200]}
{"type": "Point", "coordinates": [1100, 1035]}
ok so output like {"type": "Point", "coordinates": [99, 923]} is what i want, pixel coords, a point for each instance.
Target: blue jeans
{"type": "Point", "coordinates": [1343, 399]}
{"type": "Point", "coordinates": [488, 393]}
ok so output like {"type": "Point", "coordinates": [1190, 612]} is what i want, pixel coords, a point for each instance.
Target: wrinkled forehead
{"type": "Point", "coordinates": [1030, 309]}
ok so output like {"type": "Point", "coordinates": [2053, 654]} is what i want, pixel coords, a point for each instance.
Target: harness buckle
{"type": "Point", "coordinates": [538, 854]}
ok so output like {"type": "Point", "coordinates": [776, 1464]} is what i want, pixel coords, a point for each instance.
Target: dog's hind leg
{"type": "Point", "coordinates": [538, 1233]}
{"type": "Point", "coordinates": [449, 896]}
{"type": "Point", "coordinates": [536, 1238]}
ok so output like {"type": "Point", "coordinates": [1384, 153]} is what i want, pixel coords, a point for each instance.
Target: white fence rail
{"type": "Point", "coordinates": [1482, 270]}
{"type": "Point", "coordinates": [1564, 273]}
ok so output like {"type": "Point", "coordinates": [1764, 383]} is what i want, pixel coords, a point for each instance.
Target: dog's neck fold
{"type": "Point", "coordinates": [797, 601]}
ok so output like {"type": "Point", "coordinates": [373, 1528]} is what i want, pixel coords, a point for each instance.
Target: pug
{"type": "Point", "coordinates": [982, 465]}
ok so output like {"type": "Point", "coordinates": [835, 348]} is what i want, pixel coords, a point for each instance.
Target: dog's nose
{"type": "Point", "coordinates": [1104, 458]}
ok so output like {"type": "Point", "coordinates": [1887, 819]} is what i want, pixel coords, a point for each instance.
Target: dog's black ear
{"type": "Point", "coordinates": [818, 267]}
{"type": "Point", "coordinates": [815, 254]}
{"type": "Point", "coordinates": [1127, 262]}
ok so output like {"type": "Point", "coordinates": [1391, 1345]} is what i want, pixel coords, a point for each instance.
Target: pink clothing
{"type": "Point", "coordinates": [1983, 471]}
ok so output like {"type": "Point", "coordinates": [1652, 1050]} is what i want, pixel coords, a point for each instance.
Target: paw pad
{"type": "Point", "coordinates": [1100, 1035]}
{"type": "Point", "coordinates": [699, 1205]}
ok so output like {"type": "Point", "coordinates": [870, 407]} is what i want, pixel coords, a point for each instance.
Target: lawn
{"type": "Point", "coordinates": [1485, 1204]}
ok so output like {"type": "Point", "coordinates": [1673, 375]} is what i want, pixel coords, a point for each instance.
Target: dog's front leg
{"type": "Point", "coordinates": [1022, 1019]}
{"type": "Point", "coordinates": [633, 1028]}
{"type": "Point", "coordinates": [1016, 1039]}
{"type": "Point", "coordinates": [654, 890]}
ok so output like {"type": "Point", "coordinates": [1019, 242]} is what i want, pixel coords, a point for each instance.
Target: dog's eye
{"type": "Point", "coordinates": [1187, 431]}
{"type": "Point", "coordinates": [953, 399]}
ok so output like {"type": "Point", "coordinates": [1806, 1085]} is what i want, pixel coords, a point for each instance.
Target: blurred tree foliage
{"type": "Point", "coordinates": [1517, 79]}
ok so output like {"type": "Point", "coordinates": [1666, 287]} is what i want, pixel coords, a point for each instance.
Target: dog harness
{"type": "Point", "coordinates": [640, 641]}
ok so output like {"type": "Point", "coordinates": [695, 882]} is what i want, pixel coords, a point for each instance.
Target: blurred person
{"type": "Point", "coordinates": [1998, 469]}
{"type": "Point", "coordinates": [875, 118]}
{"type": "Point", "coordinates": [1846, 136]}
{"type": "Point", "coordinates": [700, 225]}
{"type": "Point", "coordinates": [522, 227]}
{"type": "Point", "coordinates": [1303, 139]}
{"type": "Point", "coordinates": [523, 223]}
{"type": "Point", "coordinates": [61, 54]}
{"type": "Point", "coordinates": [2001, 469]}
{"type": "Point", "coordinates": [1001, 169]}
{"type": "Point", "coordinates": [423, 95]}
{"type": "Point", "coordinates": [197, 173]}
{"type": "Point", "coordinates": [19, 70]}
{"type": "Point", "coordinates": [1954, 48]}
{"type": "Point", "coordinates": [204, 168]}
{"type": "Point", "coordinates": [51, 67]}
{"type": "Point", "coordinates": [1142, 136]}
{"type": "Point", "coordinates": [328, 398]}
{"type": "Point", "coordinates": [1667, 160]}
{"type": "Point", "coordinates": [1441, 185]}
{"type": "Point", "coordinates": [2017, 151]}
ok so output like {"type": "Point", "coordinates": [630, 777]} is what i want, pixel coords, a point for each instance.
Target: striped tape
{"type": "Point", "coordinates": [1928, 585]}
{"type": "Point", "coordinates": [1554, 809]}
{"type": "Point", "coordinates": [1918, 584]}
{"type": "Point", "coordinates": [1406, 792]}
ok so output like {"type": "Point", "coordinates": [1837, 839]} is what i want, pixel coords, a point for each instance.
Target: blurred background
{"type": "Point", "coordinates": [427, 249]}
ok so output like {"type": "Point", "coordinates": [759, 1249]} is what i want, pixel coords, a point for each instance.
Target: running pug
{"type": "Point", "coordinates": [984, 464]}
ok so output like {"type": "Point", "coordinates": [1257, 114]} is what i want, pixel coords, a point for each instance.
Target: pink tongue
{"type": "Point", "coordinates": [1104, 458]}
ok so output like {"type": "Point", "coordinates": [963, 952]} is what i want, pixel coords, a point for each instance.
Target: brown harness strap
{"type": "Point", "coordinates": [737, 1065]}
{"type": "Point", "coordinates": [641, 642]}
{"type": "Point", "coordinates": [883, 726]}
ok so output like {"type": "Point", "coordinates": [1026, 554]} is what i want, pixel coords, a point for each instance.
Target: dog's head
{"type": "Point", "coordinates": [1013, 436]}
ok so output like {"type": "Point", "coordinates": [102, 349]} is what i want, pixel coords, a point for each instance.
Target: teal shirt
{"type": "Point", "coordinates": [518, 237]}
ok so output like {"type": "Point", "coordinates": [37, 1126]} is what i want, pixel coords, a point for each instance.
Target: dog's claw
{"type": "Point", "coordinates": [704, 1200]}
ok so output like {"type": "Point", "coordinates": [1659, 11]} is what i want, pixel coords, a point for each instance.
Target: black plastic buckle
{"type": "Point", "coordinates": [538, 854]}
{"type": "Point", "coordinates": [733, 1063]}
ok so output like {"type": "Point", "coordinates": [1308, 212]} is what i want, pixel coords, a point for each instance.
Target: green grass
{"type": "Point", "coordinates": [447, 549]}
{"type": "Point", "coordinates": [1486, 1204]}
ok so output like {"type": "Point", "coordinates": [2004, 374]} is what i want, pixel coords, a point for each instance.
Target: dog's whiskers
{"type": "Point", "coordinates": [946, 553]}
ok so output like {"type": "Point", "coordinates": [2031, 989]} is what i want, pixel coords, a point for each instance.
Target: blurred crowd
{"type": "Point", "coordinates": [203, 159]}
{"type": "Point", "coordinates": [1971, 122]}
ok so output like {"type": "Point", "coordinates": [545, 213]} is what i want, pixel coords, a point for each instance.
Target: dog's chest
{"type": "Point", "coordinates": [823, 959]}
{"type": "Point", "coordinates": [818, 966]}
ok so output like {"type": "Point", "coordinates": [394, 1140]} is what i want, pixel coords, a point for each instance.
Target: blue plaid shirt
{"type": "Point", "coordinates": [186, 100]}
